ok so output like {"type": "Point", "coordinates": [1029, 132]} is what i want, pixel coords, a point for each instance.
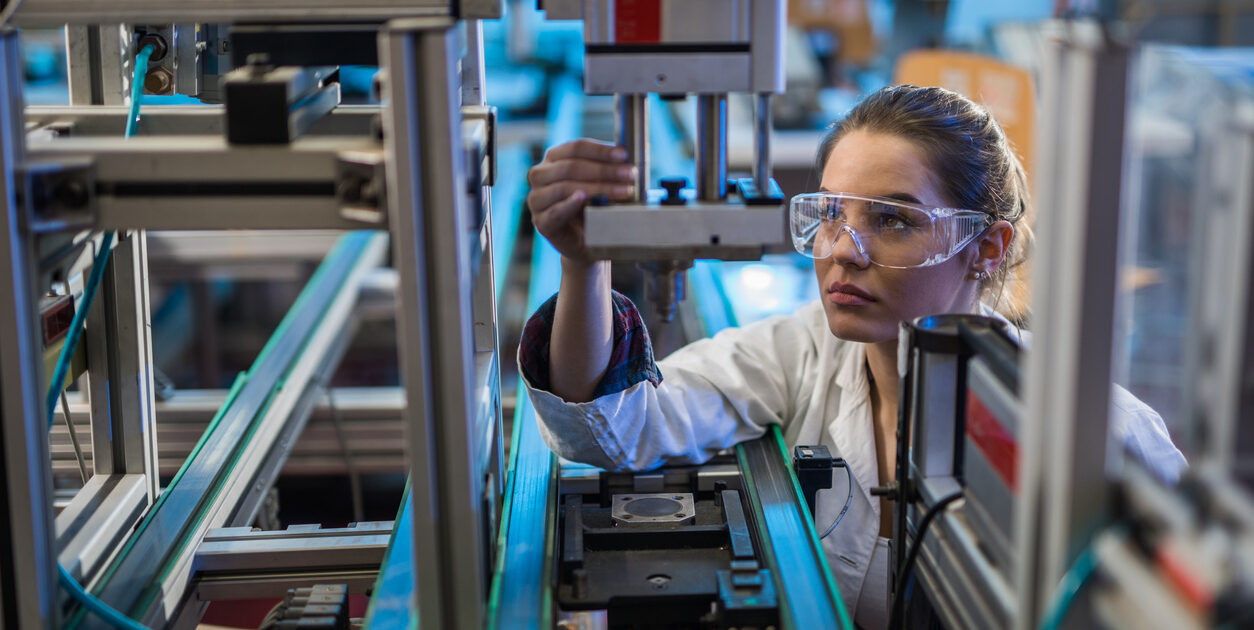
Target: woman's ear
{"type": "Point", "coordinates": [992, 246]}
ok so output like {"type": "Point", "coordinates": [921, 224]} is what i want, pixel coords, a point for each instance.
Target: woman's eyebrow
{"type": "Point", "coordinates": [899, 196]}
{"type": "Point", "coordinates": [902, 196]}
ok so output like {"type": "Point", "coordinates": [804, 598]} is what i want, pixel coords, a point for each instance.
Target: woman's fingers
{"type": "Point", "coordinates": [539, 199]}
{"type": "Point", "coordinates": [588, 150]}
{"type": "Point", "coordinates": [578, 169]}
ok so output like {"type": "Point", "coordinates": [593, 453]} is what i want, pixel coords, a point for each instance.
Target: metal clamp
{"type": "Point", "coordinates": [361, 187]}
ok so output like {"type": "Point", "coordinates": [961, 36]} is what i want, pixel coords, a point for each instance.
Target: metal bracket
{"type": "Point", "coordinates": [487, 114]}
{"type": "Point", "coordinates": [58, 195]}
{"type": "Point", "coordinates": [361, 187]}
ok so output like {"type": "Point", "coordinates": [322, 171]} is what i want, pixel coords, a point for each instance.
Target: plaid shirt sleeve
{"type": "Point", "coordinates": [631, 360]}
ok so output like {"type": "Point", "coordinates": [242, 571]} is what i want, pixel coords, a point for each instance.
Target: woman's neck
{"type": "Point", "coordinates": [881, 361]}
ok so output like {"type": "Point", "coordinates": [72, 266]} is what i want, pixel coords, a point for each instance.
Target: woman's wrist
{"type": "Point", "coordinates": [586, 273]}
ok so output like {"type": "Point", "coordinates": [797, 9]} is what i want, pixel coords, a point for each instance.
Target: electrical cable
{"type": "Point", "coordinates": [1068, 587]}
{"type": "Point", "coordinates": [849, 478]}
{"type": "Point", "coordinates": [78, 450]}
{"type": "Point", "coordinates": [894, 618]}
{"type": "Point", "coordinates": [354, 478]}
{"type": "Point", "coordinates": [76, 326]}
{"type": "Point", "coordinates": [137, 87]}
{"type": "Point", "coordinates": [67, 581]}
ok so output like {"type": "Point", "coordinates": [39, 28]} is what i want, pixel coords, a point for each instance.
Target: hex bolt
{"type": "Point", "coordinates": [159, 80]}
{"type": "Point", "coordinates": [159, 47]}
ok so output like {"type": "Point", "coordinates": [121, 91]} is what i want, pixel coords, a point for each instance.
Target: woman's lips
{"type": "Point", "coordinates": [848, 295]}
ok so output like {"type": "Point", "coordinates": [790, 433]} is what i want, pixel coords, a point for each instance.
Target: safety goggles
{"type": "Point", "coordinates": [885, 232]}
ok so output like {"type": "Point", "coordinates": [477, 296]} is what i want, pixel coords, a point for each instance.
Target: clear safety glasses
{"type": "Point", "coordinates": [886, 232]}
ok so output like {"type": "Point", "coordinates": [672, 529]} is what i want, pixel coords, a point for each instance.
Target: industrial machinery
{"type": "Point", "coordinates": [707, 48]}
{"type": "Point", "coordinates": [1012, 487]}
{"type": "Point", "coordinates": [408, 176]}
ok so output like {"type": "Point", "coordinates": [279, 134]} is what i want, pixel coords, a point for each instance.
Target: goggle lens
{"type": "Point", "coordinates": [887, 232]}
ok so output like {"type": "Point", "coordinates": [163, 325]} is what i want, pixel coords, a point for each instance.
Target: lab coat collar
{"type": "Point", "coordinates": [851, 431]}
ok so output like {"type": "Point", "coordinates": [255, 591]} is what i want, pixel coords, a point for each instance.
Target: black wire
{"type": "Point", "coordinates": [849, 479]}
{"type": "Point", "coordinates": [894, 618]}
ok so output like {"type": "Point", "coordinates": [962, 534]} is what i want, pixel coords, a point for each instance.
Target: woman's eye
{"type": "Point", "coordinates": [891, 221]}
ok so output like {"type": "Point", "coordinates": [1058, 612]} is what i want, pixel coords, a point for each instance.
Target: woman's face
{"type": "Point", "coordinates": [865, 302]}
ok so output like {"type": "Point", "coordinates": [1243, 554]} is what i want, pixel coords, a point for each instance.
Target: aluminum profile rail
{"type": "Point", "coordinates": [137, 581]}
{"type": "Point", "coordinates": [808, 594]}
{"type": "Point", "coordinates": [49, 13]}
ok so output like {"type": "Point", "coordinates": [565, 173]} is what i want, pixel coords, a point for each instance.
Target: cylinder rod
{"type": "Point", "coordinates": [711, 147]}
{"type": "Point", "coordinates": [631, 131]}
{"type": "Point", "coordinates": [762, 146]}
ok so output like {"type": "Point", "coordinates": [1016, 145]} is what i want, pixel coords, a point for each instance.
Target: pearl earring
{"type": "Point", "coordinates": [980, 276]}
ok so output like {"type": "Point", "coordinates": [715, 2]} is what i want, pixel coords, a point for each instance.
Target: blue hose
{"type": "Point", "coordinates": [102, 610]}
{"type": "Point", "coordinates": [1069, 587]}
{"type": "Point", "coordinates": [137, 88]}
{"type": "Point", "coordinates": [76, 326]}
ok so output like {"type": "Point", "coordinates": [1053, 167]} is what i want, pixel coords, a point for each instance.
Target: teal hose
{"type": "Point", "coordinates": [102, 610]}
{"type": "Point", "coordinates": [76, 327]}
{"type": "Point", "coordinates": [1070, 586]}
{"type": "Point", "coordinates": [137, 88]}
{"type": "Point", "coordinates": [67, 581]}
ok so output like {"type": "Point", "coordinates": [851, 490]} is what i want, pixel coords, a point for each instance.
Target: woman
{"type": "Point", "coordinates": [919, 213]}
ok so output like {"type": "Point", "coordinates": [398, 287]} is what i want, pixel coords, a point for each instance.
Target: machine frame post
{"type": "Point", "coordinates": [28, 579]}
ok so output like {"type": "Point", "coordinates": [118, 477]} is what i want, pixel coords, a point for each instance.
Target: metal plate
{"type": "Point", "coordinates": [677, 509]}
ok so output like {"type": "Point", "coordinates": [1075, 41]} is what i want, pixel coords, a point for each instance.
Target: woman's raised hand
{"type": "Point", "coordinates": [561, 185]}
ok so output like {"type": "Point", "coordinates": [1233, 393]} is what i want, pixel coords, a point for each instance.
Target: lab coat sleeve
{"type": "Point", "coordinates": [709, 396]}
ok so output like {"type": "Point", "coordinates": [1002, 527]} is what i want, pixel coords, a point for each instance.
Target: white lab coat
{"type": "Point", "coordinates": [786, 370]}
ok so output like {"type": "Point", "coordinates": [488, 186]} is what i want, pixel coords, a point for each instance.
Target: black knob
{"type": "Point", "coordinates": [673, 186]}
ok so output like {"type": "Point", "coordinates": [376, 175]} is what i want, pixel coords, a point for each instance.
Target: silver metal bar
{"type": "Point", "coordinates": [372, 420]}
{"type": "Point", "coordinates": [398, 55]}
{"type": "Point", "coordinates": [119, 343]}
{"type": "Point", "coordinates": [763, 124]}
{"type": "Point", "coordinates": [204, 159]}
{"type": "Point", "coordinates": [27, 566]}
{"type": "Point", "coordinates": [472, 67]}
{"type": "Point", "coordinates": [1068, 372]}
{"type": "Point", "coordinates": [52, 13]}
{"type": "Point", "coordinates": [182, 120]}
{"type": "Point", "coordinates": [243, 549]}
{"type": "Point", "coordinates": [464, 534]}
{"type": "Point", "coordinates": [227, 213]}
{"type": "Point", "coordinates": [95, 523]}
{"type": "Point", "coordinates": [711, 147]}
{"type": "Point", "coordinates": [94, 63]}
{"type": "Point", "coordinates": [631, 131]}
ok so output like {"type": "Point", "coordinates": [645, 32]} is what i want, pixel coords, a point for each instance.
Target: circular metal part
{"type": "Point", "coordinates": [159, 80]}
{"type": "Point", "coordinates": [668, 509]}
{"type": "Point", "coordinates": [651, 506]}
{"type": "Point", "coordinates": [159, 47]}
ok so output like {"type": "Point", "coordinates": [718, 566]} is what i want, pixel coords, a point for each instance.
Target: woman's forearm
{"type": "Point", "coordinates": [582, 338]}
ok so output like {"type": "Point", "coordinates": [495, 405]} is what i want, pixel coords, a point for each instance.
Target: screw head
{"type": "Point", "coordinates": [159, 80]}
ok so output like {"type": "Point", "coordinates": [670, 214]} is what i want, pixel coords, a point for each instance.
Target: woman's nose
{"type": "Point", "coordinates": [848, 248]}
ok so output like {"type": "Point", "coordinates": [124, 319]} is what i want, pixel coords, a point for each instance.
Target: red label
{"type": "Point", "coordinates": [637, 21]}
{"type": "Point", "coordinates": [997, 444]}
